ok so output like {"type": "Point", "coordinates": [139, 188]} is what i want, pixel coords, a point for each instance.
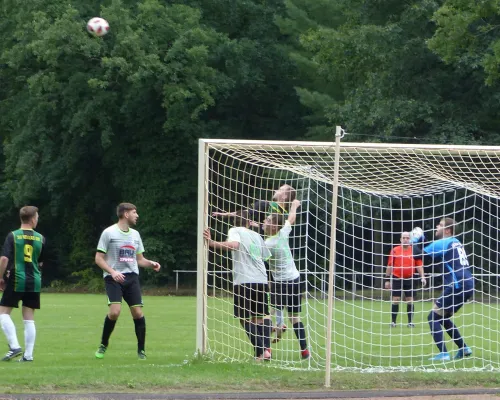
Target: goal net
{"type": "Point", "coordinates": [383, 190]}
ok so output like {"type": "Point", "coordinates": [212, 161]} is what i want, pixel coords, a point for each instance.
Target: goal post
{"type": "Point", "coordinates": [345, 229]}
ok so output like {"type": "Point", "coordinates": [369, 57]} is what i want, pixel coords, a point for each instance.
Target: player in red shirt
{"type": "Point", "coordinates": [400, 269]}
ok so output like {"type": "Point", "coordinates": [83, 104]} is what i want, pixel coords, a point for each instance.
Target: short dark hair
{"type": "Point", "coordinates": [122, 208]}
{"type": "Point", "coordinates": [449, 223]}
{"type": "Point", "coordinates": [26, 213]}
{"type": "Point", "coordinates": [241, 218]}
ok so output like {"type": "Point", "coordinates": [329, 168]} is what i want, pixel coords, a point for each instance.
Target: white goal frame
{"type": "Point", "coordinates": [335, 148]}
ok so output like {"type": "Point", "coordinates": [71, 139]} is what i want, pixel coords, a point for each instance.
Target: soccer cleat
{"type": "Point", "coordinates": [12, 353]}
{"type": "Point", "coordinates": [24, 359]}
{"type": "Point", "coordinates": [440, 357]}
{"type": "Point", "coordinates": [305, 354]}
{"type": "Point", "coordinates": [279, 333]}
{"type": "Point", "coordinates": [100, 351]}
{"type": "Point", "coordinates": [142, 355]}
{"type": "Point", "coordinates": [465, 352]}
{"type": "Point", "coordinates": [266, 356]}
{"type": "Point", "coordinates": [411, 325]}
{"type": "Point", "coordinates": [393, 324]}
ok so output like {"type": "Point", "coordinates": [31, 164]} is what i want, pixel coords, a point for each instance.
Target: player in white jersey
{"type": "Point", "coordinates": [120, 254]}
{"type": "Point", "coordinates": [285, 288]}
{"type": "Point", "coordinates": [250, 285]}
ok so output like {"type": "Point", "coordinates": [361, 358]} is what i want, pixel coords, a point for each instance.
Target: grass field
{"type": "Point", "coordinates": [69, 329]}
{"type": "Point", "coordinates": [364, 338]}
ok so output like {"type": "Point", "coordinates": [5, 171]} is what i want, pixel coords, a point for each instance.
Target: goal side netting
{"type": "Point", "coordinates": [383, 190]}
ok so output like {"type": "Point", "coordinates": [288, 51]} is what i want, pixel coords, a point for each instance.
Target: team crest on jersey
{"type": "Point", "coordinates": [126, 253]}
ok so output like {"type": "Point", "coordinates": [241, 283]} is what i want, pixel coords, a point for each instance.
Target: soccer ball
{"type": "Point", "coordinates": [416, 234]}
{"type": "Point", "coordinates": [97, 26]}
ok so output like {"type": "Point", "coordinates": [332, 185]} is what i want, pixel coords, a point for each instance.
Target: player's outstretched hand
{"type": "Point", "coordinates": [156, 266]}
{"type": "Point", "coordinates": [417, 235]}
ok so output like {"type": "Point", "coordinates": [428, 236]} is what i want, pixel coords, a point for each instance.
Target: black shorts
{"type": "Point", "coordinates": [129, 290]}
{"type": "Point", "coordinates": [11, 298]}
{"type": "Point", "coordinates": [408, 286]}
{"type": "Point", "coordinates": [452, 299]}
{"type": "Point", "coordinates": [251, 300]}
{"type": "Point", "coordinates": [287, 294]}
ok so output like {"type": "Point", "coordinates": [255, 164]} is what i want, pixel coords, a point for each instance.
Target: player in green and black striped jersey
{"type": "Point", "coordinates": [21, 280]}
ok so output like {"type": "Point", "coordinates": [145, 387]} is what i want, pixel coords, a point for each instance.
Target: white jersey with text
{"type": "Point", "coordinates": [281, 263]}
{"type": "Point", "coordinates": [248, 259]}
{"type": "Point", "coordinates": [121, 249]}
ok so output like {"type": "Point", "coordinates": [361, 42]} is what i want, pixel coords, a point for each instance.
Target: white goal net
{"type": "Point", "coordinates": [383, 190]}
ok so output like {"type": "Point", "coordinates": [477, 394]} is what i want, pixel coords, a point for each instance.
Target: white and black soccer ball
{"type": "Point", "coordinates": [416, 234]}
{"type": "Point", "coordinates": [97, 26]}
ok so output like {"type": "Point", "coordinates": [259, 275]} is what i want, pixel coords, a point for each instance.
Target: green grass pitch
{"type": "Point", "coordinates": [363, 337]}
{"type": "Point", "coordinates": [69, 328]}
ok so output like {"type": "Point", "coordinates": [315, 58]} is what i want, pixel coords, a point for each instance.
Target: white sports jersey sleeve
{"type": "Point", "coordinates": [102, 246]}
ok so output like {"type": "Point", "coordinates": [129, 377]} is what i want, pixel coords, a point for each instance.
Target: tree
{"type": "Point", "coordinates": [383, 81]}
{"type": "Point", "coordinates": [89, 122]}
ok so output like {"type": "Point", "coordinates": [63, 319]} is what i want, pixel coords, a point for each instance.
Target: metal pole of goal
{"type": "Point", "coordinates": [202, 256]}
{"type": "Point", "coordinates": [331, 271]}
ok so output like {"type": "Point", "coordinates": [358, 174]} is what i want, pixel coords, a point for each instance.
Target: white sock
{"type": "Point", "coordinates": [29, 338]}
{"type": "Point", "coordinates": [9, 329]}
{"type": "Point", "coordinates": [279, 317]}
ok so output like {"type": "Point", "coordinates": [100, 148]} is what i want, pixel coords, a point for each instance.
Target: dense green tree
{"type": "Point", "coordinates": [263, 103]}
{"type": "Point", "coordinates": [382, 81]}
{"type": "Point", "coordinates": [89, 122]}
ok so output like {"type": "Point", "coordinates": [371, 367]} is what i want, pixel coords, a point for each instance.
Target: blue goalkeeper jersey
{"type": "Point", "coordinates": [451, 253]}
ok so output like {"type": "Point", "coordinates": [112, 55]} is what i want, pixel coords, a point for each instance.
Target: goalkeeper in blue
{"type": "Point", "coordinates": [447, 253]}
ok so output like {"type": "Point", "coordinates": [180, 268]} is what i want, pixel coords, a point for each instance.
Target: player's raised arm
{"type": "Point", "coordinates": [417, 238]}
{"type": "Point", "coordinates": [292, 216]}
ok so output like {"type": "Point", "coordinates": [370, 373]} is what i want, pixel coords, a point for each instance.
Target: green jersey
{"type": "Point", "coordinates": [23, 248]}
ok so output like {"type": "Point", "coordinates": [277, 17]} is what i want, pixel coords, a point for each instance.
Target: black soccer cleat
{"type": "Point", "coordinates": [12, 353]}
{"type": "Point", "coordinates": [24, 359]}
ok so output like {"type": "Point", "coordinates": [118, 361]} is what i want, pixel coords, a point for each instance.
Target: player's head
{"type": "Point", "coordinates": [445, 228]}
{"type": "Point", "coordinates": [241, 218]}
{"type": "Point", "coordinates": [285, 194]}
{"type": "Point", "coordinates": [273, 223]}
{"type": "Point", "coordinates": [405, 238]}
{"type": "Point", "coordinates": [29, 215]}
{"type": "Point", "coordinates": [127, 212]}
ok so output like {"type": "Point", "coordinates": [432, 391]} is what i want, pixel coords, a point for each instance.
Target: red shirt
{"type": "Point", "coordinates": [402, 262]}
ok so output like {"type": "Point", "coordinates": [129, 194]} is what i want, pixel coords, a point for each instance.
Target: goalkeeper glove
{"type": "Point", "coordinates": [417, 235]}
